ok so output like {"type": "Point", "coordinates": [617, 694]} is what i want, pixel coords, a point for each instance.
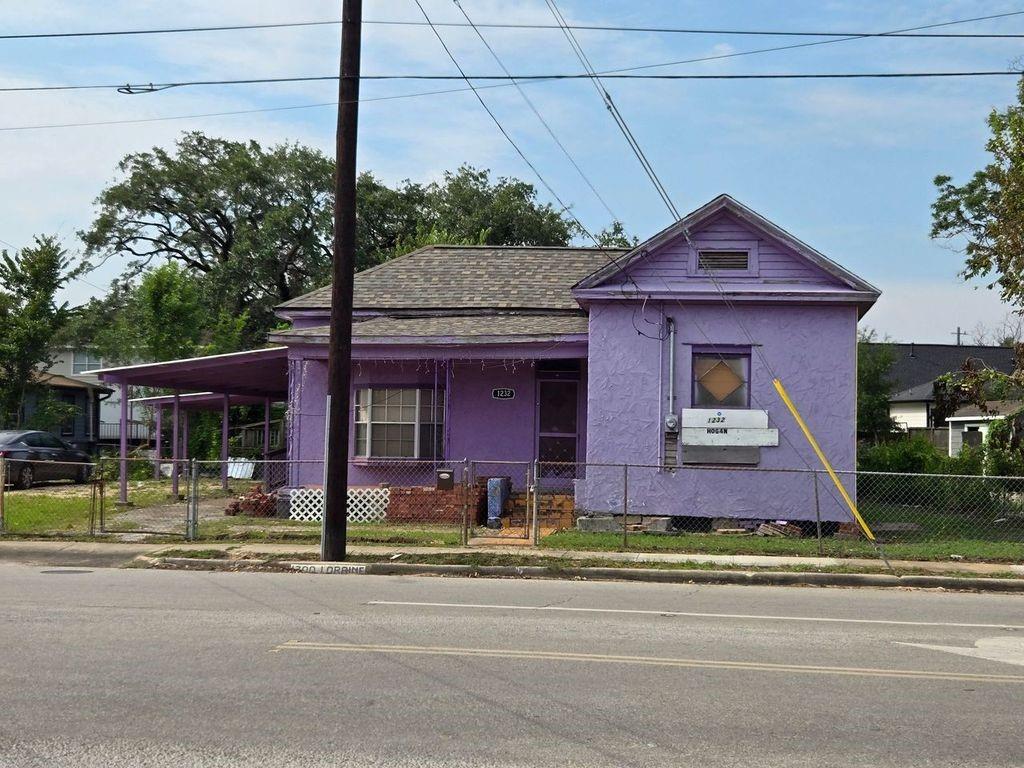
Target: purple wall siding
{"type": "Point", "coordinates": [478, 427]}
{"type": "Point", "coordinates": [672, 262]}
{"type": "Point", "coordinates": [811, 348]}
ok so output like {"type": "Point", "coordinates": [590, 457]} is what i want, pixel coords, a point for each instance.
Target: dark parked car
{"type": "Point", "coordinates": [32, 456]}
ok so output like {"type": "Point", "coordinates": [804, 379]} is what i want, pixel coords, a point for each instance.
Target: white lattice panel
{"type": "Point", "coordinates": [365, 505]}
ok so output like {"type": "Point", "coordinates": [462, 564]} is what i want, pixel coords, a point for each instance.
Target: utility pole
{"type": "Point", "coordinates": [339, 361]}
{"type": "Point", "coordinates": [958, 335]}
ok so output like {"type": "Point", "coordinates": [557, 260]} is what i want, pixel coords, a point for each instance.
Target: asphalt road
{"type": "Point", "coordinates": [131, 667]}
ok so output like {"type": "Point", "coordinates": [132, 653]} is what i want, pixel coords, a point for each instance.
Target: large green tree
{"type": "Point", "coordinates": [253, 224]}
{"type": "Point", "coordinates": [874, 385]}
{"type": "Point", "coordinates": [31, 319]}
{"type": "Point", "coordinates": [164, 315]}
{"type": "Point", "coordinates": [985, 216]}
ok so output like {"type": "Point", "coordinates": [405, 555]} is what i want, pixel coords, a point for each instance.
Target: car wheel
{"type": "Point", "coordinates": [26, 476]}
{"type": "Point", "coordinates": [82, 475]}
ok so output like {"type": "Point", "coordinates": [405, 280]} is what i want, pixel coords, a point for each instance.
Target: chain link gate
{"type": "Point", "coordinates": [499, 500]}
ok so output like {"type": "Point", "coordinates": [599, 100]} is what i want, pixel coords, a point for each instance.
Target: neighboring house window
{"type": "Point", "coordinates": [85, 361]}
{"type": "Point", "coordinates": [721, 380]}
{"type": "Point", "coordinates": [399, 423]}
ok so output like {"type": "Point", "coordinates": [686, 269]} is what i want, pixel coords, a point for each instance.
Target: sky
{"type": "Point", "coordinates": [846, 166]}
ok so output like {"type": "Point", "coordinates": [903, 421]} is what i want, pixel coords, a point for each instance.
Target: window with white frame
{"type": "Point", "coordinates": [402, 423]}
{"type": "Point", "coordinates": [85, 360]}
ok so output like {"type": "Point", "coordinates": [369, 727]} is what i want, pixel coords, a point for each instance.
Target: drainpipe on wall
{"type": "Point", "coordinates": [671, 436]}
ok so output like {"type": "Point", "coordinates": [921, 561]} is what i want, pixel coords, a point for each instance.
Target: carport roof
{"type": "Point", "coordinates": [258, 373]}
{"type": "Point", "coordinates": [198, 401]}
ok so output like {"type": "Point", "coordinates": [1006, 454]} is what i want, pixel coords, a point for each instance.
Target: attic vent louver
{"type": "Point", "coordinates": [721, 261]}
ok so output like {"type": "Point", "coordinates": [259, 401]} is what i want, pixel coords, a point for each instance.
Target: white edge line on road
{"type": "Point", "coordinates": [691, 614]}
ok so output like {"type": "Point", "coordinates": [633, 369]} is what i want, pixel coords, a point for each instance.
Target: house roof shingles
{"type": "Point", "coordinates": [497, 327]}
{"type": "Point", "coordinates": [484, 277]}
{"type": "Point", "coordinates": [916, 366]}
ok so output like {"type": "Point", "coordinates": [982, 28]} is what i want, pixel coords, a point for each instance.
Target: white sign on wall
{"type": "Point", "coordinates": [726, 427]}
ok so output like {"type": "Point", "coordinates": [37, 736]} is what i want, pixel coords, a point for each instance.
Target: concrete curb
{"type": "Point", "coordinates": [654, 575]}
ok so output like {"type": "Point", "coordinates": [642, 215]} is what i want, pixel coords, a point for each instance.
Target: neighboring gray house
{"type": "Point", "coordinates": [83, 428]}
{"type": "Point", "coordinates": [970, 424]}
{"type": "Point", "coordinates": [99, 406]}
{"type": "Point", "coordinates": [915, 368]}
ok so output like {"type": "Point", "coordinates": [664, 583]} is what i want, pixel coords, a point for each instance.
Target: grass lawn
{"type": "Point", "coordinates": [241, 528]}
{"type": "Point", "coordinates": [61, 508]}
{"type": "Point", "coordinates": [969, 549]}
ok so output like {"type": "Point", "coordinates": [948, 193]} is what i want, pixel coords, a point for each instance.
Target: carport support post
{"type": "Point", "coordinates": [224, 442]}
{"type": "Point", "coordinates": [176, 418]}
{"type": "Point", "coordinates": [123, 448]}
{"type": "Point", "coordinates": [184, 435]}
{"type": "Point", "coordinates": [157, 445]}
{"type": "Point", "coordinates": [266, 445]}
{"type": "Point", "coordinates": [266, 428]}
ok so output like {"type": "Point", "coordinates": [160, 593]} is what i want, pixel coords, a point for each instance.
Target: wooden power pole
{"type": "Point", "coordinates": [339, 365]}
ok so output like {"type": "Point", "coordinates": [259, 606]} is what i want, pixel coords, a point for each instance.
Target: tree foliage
{"type": "Point", "coordinates": [987, 211]}
{"type": "Point", "coordinates": [253, 226]}
{"type": "Point", "coordinates": [986, 214]}
{"type": "Point", "coordinates": [30, 318]}
{"type": "Point", "coordinates": [874, 386]}
{"type": "Point", "coordinates": [163, 316]}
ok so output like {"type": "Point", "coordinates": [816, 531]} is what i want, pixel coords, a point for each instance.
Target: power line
{"type": "Point", "coordinates": [138, 88]}
{"type": "Point", "coordinates": [565, 208]}
{"type": "Point", "coordinates": [537, 113]}
{"type": "Point", "coordinates": [613, 110]}
{"type": "Point", "coordinates": [497, 122]}
{"type": "Point", "coordinates": [526, 26]}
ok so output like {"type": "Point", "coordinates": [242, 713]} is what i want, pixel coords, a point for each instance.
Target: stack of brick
{"type": "Point", "coordinates": [429, 505]}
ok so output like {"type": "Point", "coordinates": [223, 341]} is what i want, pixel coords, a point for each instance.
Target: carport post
{"type": "Point", "coordinates": [266, 429]}
{"type": "Point", "coordinates": [224, 443]}
{"type": "Point", "coordinates": [123, 448]}
{"type": "Point", "coordinates": [184, 435]}
{"type": "Point", "coordinates": [159, 437]}
{"type": "Point", "coordinates": [175, 454]}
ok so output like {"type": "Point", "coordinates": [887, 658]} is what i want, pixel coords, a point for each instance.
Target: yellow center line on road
{"type": "Point", "coordinates": [754, 666]}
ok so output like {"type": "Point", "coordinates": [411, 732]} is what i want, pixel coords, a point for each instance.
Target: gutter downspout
{"type": "Point", "coordinates": [671, 323]}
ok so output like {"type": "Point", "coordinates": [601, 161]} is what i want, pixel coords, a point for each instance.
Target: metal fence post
{"type": "Point", "coordinates": [3, 488]}
{"type": "Point", "coordinates": [464, 532]}
{"type": "Point", "coordinates": [625, 506]}
{"type": "Point", "coordinates": [94, 483]}
{"type": "Point", "coordinates": [103, 496]}
{"type": "Point", "coordinates": [535, 501]}
{"type": "Point", "coordinates": [817, 515]}
{"type": "Point", "coordinates": [192, 530]}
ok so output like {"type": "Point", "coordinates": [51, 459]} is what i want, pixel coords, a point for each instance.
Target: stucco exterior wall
{"type": "Point", "coordinates": [477, 427]}
{"type": "Point", "coordinates": [811, 348]}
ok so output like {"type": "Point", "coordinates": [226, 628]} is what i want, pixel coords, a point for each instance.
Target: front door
{"type": "Point", "coordinates": [557, 426]}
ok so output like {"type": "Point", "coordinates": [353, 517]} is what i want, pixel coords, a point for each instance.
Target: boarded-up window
{"type": "Point", "coordinates": [721, 380]}
{"type": "Point", "coordinates": [723, 261]}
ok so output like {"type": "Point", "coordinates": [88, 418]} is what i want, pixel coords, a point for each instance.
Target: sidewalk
{"type": "Point", "coordinates": [102, 554]}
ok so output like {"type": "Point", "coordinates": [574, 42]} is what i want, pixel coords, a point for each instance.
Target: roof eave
{"type": "Point", "coordinates": [751, 217]}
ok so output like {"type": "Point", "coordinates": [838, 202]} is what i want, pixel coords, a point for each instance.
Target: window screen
{"type": "Point", "coordinates": [721, 381]}
{"type": "Point", "coordinates": [399, 423]}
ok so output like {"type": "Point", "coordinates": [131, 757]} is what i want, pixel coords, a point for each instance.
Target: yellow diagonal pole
{"type": "Point", "coordinates": [822, 458]}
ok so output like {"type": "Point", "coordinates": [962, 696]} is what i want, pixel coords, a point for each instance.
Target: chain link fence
{"type": "Point", "coordinates": [585, 506]}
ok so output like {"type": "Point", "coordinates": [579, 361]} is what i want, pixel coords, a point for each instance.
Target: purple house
{"type": "Point", "coordinates": [661, 356]}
